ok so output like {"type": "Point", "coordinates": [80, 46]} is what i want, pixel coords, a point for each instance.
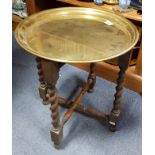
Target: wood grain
{"type": "Point", "coordinates": [130, 15]}
{"type": "Point", "coordinates": [31, 6]}
{"type": "Point", "coordinates": [138, 69]}
{"type": "Point", "coordinates": [110, 72]}
{"type": "Point", "coordinates": [15, 21]}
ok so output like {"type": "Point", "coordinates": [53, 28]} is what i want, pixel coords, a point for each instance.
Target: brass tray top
{"type": "Point", "coordinates": [76, 35]}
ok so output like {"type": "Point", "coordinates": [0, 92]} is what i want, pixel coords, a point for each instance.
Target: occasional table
{"type": "Point", "coordinates": [76, 35]}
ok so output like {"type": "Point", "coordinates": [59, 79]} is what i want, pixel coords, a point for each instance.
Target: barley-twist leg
{"type": "Point", "coordinates": [42, 87]}
{"type": "Point", "coordinates": [56, 132]}
{"type": "Point", "coordinates": [51, 75]}
{"type": "Point", "coordinates": [123, 65]}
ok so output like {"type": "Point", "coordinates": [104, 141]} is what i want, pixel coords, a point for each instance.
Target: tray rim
{"type": "Point", "coordinates": [80, 9]}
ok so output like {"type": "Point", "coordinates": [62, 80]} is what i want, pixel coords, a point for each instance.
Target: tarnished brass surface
{"type": "Point", "coordinates": [76, 35]}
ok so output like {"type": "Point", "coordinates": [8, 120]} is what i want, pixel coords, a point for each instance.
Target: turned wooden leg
{"type": "Point", "coordinates": [91, 78]}
{"type": "Point", "coordinates": [56, 132]}
{"type": "Point", "coordinates": [51, 75]}
{"type": "Point", "coordinates": [123, 65]}
{"type": "Point", "coordinates": [43, 86]}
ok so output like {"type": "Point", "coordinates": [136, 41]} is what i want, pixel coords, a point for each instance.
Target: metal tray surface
{"type": "Point", "coordinates": [76, 35]}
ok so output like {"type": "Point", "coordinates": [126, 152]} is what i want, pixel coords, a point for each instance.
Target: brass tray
{"type": "Point", "coordinates": [76, 35]}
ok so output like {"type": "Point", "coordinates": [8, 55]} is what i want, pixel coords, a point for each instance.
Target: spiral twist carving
{"type": "Point", "coordinates": [54, 107]}
{"type": "Point", "coordinates": [119, 90]}
{"type": "Point", "coordinates": [40, 71]}
{"type": "Point", "coordinates": [43, 86]}
{"type": "Point", "coordinates": [123, 65]}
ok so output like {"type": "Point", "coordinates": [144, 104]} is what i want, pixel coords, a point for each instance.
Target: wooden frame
{"type": "Point", "coordinates": [48, 72]}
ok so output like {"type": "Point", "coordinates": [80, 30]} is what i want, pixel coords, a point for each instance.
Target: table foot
{"type": "Point", "coordinates": [56, 137]}
{"type": "Point", "coordinates": [112, 127]}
